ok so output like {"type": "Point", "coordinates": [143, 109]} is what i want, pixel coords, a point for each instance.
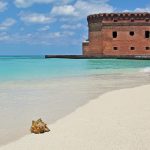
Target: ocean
{"type": "Point", "coordinates": [33, 87]}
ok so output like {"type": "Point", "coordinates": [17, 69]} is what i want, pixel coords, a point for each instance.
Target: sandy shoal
{"type": "Point", "coordinates": [118, 120]}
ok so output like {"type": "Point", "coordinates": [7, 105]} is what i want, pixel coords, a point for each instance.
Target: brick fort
{"type": "Point", "coordinates": [118, 34]}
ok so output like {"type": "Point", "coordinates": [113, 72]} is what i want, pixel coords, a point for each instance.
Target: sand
{"type": "Point", "coordinates": [118, 120]}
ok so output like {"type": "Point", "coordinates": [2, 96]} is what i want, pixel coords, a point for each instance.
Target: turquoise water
{"type": "Point", "coordinates": [28, 68]}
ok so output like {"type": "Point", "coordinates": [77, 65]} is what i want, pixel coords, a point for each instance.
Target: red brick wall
{"type": "Point", "coordinates": [94, 48]}
{"type": "Point", "coordinates": [124, 40]}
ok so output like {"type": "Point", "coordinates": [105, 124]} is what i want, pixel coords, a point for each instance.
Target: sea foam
{"type": "Point", "coordinates": [146, 70]}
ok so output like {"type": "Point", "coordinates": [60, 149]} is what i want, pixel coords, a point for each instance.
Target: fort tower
{"type": "Point", "coordinates": [118, 34]}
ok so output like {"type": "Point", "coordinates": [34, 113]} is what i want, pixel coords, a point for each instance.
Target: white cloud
{"type": "Point", "coordinates": [147, 9]}
{"type": "Point", "coordinates": [126, 10]}
{"type": "Point", "coordinates": [4, 36]}
{"type": "Point", "coordinates": [3, 6]}
{"type": "Point", "coordinates": [68, 10]}
{"type": "Point", "coordinates": [7, 24]}
{"type": "Point", "coordinates": [73, 12]}
{"type": "Point", "coordinates": [35, 18]}
{"type": "Point", "coordinates": [45, 28]}
{"type": "Point", "coordinates": [85, 8]}
{"type": "Point", "coordinates": [38, 38]}
{"type": "Point", "coordinates": [72, 26]}
{"type": "Point", "coordinates": [82, 8]}
{"type": "Point", "coordinates": [28, 3]}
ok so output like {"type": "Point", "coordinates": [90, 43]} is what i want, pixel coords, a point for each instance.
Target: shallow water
{"type": "Point", "coordinates": [29, 68]}
{"type": "Point", "coordinates": [31, 88]}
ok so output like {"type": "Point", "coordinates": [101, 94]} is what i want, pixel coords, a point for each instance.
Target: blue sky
{"type": "Point", "coordinates": [35, 27]}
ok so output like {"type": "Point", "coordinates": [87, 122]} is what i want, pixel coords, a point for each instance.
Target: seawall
{"type": "Point", "coordinates": [138, 57]}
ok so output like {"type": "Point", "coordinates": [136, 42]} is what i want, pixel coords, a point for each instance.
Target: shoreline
{"type": "Point", "coordinates": [80, 93]}
{"type": "Point", "coordinates": [116, 120]}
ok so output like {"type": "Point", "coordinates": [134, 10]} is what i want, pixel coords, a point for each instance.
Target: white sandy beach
{"type": "Point", "coordinates": [118, 120]}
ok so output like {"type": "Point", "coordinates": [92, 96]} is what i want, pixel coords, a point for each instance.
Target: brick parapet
{"type": "Point", "coordinates": [118, 16]}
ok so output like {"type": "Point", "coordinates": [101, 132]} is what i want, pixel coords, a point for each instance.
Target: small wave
{"type": "Point", "coordinates": [146, 70]}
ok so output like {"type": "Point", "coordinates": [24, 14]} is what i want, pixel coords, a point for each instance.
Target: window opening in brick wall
{"type": "Point", "coordinates": [147, 20]}
{"type": "Point", "coordinates": [114, 34]}
{"type": "Point", "coordinates": [131, 33]}
{"type": "Point", "coordinates": [147, 48]}
{"type": "Point", "coordinates": [132, 48]}
{"type": "Point", "coordinates": [115, 48]}
{"type": "Point", "coordinates": [147, 34]}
